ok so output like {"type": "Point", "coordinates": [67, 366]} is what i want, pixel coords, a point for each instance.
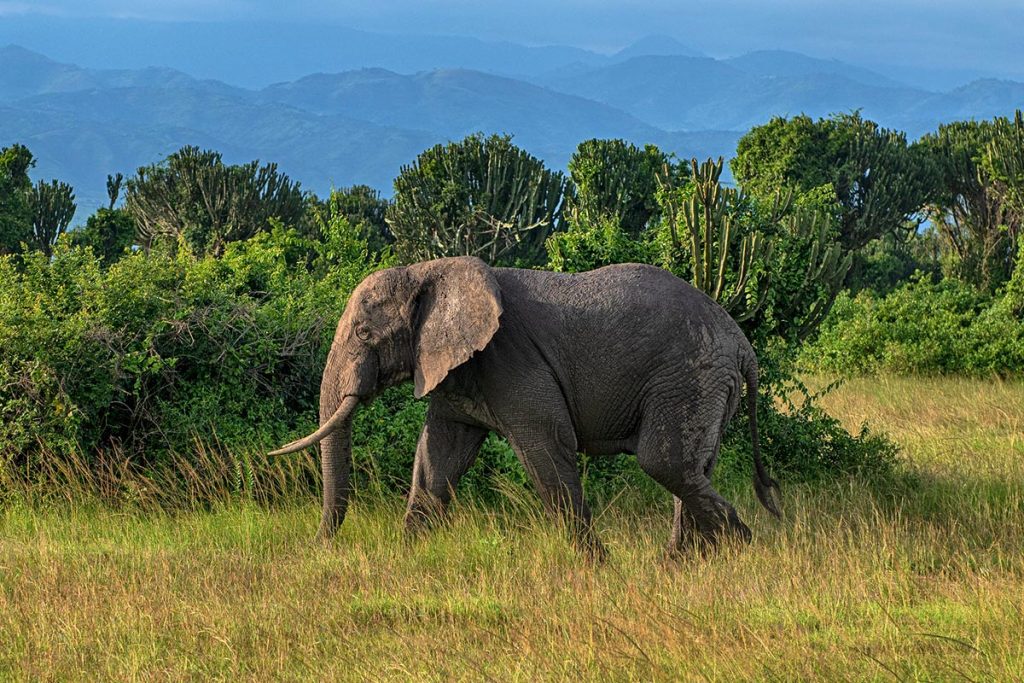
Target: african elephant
{"type": "Point", "coordinates": [626, 358]}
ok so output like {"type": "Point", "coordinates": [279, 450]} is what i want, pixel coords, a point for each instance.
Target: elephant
{"type": "Point", "coordinates": [623, 359]}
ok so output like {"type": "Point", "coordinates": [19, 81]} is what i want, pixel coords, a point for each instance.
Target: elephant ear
{"type": "Point", "coordinates": [457, 312]}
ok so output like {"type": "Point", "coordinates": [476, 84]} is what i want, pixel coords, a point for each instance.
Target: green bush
{"type": "Point", "coordinates": [159, 351]}
{"type": "Point", "coordinates": [922, 327]}
{"type": "Point", "coordinates": [803, 442]}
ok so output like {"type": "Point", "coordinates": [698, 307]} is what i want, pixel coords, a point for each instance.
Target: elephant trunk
{"type": "Point", "coordinates": [335, 439]}
{"type": "Point", "coordinates": [336, 465]}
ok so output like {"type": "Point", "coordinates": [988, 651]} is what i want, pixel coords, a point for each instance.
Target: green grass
{"type": "Point", "coordinates": [918, 579]}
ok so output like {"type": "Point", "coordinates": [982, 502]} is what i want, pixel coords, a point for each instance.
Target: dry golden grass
{"type": "Point", "coordinates": [922, 580]}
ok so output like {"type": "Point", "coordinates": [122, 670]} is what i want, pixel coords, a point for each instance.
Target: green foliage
{"type": "Point", "coordinates": [1004, 161]}
{"type": "Point", "coordinates": [887, 262]}
{"type": "Point", "coordinates": [615, 181]}
{"type": "Point", "coordinates": [974, 206]}
{"type": "Point", "coordinates": [482, 197]}
{"type": "Point", "coordinates": [807, 268]}
{"type": "Point", "coordinates": [803, 442]}
{"type": "Point", "coordinates": [923, 327]}
{"type": "Point", "coordinates": [110, 233]}
{"type": "Point", "coordinates": [364, 208]}
{"type": "Point", "coordinates": [708, 244]}
{"type": "Point", "coordinates": [114, 183]}
{"type": "Point", "coordinates": [159, 351]}
{"type": "Point", "coordinates": [15, 198]}
{"type": "Point", "coordinates": [53, 207]}
{"type": "Point", "coordinates": [879, 181]}
{"type": "Point", "coordinates": [195, 197]}
{"type": "Point", "coordinates": [595, 244]}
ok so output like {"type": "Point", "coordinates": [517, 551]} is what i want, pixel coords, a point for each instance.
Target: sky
{"type": "Point", "coordinates": [959, 38]}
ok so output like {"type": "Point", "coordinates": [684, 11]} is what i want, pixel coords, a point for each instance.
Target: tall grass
{"type": "Point", "coordinates": [917, 578]}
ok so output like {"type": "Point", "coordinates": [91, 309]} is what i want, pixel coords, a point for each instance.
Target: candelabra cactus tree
{"type": "Point", "coordinates": [774, 266]}
{"type": "Point", "coordinates": [810, 247]}
{"type": "Point", "coordinates": [53, 207]}
{"type": "Point", "coordinates": [708, 244]}
{"type": "Point", "coordinates": [479, 197]}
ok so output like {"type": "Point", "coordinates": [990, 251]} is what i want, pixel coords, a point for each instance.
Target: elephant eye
{"type": "Point", "coordinates": [363, 333]}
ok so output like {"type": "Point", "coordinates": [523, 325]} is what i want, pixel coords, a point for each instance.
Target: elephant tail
{"type": "Point", "coordinates": [766, 488]}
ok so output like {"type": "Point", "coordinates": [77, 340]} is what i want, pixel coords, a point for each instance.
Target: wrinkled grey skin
{"type": "Point", "coordinates": [627, 358]}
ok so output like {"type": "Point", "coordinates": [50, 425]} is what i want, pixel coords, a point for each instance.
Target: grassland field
{"type": "Point", "coordinates": [921, 579]}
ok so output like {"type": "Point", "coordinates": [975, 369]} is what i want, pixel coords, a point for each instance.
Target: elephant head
{"type": "Point", "coordinates": [417, 322]}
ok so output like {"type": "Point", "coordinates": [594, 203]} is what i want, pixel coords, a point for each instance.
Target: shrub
{"type": "Point", "coordinates": [159, 351]}
{"type": "Point", "coordinates": [922, 327]}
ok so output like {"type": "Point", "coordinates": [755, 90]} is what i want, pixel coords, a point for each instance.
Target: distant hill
{"type": "Point", "coordinates": [785, 64]}
{"type": "Point", "coordinates": [256, 54]}
{"type": "Point", "coordinates": [453, 103]}
{"type": "Point", "coordinates": [687, 93]}
{"type": "Point", "coordinates": [26, 73]}
{"type": "Point", "coordinates": [360, 126]}
{"type": "Point", "coordinates": [980, 99]}
{"type": "Point", "coordinates": [656, 45]}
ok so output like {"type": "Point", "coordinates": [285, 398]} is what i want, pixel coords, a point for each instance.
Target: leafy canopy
{"type": "Point", "coordinates": [879, 181]}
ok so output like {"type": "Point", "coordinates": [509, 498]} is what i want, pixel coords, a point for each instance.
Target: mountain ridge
{"type": "Point", "coordinates": [362, 125]}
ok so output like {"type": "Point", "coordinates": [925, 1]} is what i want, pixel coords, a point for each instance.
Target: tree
{"type": "Point", "coordinates": [15, 199]}
{"type": "Point", "coordinates": [879, 181]}
{"type": "Point", "coordinates": [707, 240]}
{"type": "Point", "coordinates": [114, 188]}
{"type": "Point", "coordinates": [774, 265]}
{"type": "Point", "coordinates": [481, 196]}
{"type": "Point", "coordinates": [1004, 161]}
{"type": "Point", "coordinates": [193, 195]}
{"type": "Point", "coordinates": [365, 209]}
{"type": "Point", "coordinates": [53, 207]}
{"type": "Point", "coordinates": [108, 232]}
{"type": "Point", "coordinates": [970, 208]}
{"type": "Point", "coordinates": [616, 180]}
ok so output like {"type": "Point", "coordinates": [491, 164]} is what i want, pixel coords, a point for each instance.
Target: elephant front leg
{"type": "Point", "coordinates": [445, 451]}
{"type": "Point", "coordinates": [551, 464]}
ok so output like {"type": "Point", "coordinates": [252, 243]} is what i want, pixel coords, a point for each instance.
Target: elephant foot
{"type": "Point", "coordinates": [592, 549]}
{"type": "Point", "coordinates": [420, 519]}
{"type": "Point", "coordinates": [323, 539]}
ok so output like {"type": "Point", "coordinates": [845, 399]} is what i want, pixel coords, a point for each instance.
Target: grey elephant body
{"type": "Point", "coordinates": [626, 358]}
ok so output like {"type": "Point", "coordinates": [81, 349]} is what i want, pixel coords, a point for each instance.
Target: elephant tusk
{"type": "Point", "coordinates": [343, 413]}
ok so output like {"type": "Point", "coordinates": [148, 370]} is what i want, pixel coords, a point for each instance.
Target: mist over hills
{"type": "Point", "coordinates": [360, 125]}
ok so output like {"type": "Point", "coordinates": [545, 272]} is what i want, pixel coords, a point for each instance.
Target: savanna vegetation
{"type": "Point", "coordinates": [917, 578]}
{"type": "Point", "coordinates": [151, 356]}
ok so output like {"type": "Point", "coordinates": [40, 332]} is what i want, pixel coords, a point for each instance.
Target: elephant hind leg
{"type": "Point", "coordinates": [701, 516]}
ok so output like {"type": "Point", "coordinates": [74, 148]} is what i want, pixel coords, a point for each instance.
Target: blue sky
{"type": "Point", "coordinates": [980, 37]}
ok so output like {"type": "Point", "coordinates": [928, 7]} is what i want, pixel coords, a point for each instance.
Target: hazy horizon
{"type": "Point", "coordinates": [938, 45]}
